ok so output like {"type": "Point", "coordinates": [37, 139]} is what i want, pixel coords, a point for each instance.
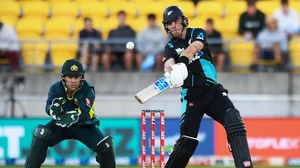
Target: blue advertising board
{"type": "Point", "coordinates": [172, 133]}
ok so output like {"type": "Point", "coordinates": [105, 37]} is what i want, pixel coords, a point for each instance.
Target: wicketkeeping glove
{"type": "Point", "coordinates": [55, 108]}
{"type": "Point", "coordinates": [68, 119]}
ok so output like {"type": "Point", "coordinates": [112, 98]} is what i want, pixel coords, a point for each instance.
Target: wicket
{"type": "Point", "coordinates": [152, 138]}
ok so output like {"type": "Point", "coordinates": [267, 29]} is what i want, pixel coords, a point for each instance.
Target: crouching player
{"type": "Point", "coordinates": [70, 103]}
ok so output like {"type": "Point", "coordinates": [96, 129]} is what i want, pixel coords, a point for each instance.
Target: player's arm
{"type": "Point", "coordinates": [86, 106]}
{"type": "Point", "coordinates": [192, 49]}
{"type": "Point", "coordinates": [168, 65]}
{"type": "Point", "coordinates": [51, 96]}
{"type": "Point", "coordinates": [198, 40]}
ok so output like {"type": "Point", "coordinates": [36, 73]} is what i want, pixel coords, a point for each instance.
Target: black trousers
{"type": "Point", "coordinates": [210, 100]}
{"type": "Point", "coordinates": [90, 135]}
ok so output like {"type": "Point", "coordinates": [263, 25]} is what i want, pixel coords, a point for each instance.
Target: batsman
{"type": "Point", "coordinates": [70, 104]}
{"type": "Point", "coordinates": [188, 64]}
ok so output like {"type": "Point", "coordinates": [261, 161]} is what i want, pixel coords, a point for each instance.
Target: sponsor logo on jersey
{"type": "Point", "coordinates": [200, 36]}
{"type": "Point", "coordinates": [179, 50]}
{"type": "Point", "coordinates": [87, 102]}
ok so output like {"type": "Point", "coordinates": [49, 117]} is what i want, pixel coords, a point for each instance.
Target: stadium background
{"type": "Point", "coordinates": [269, 101]}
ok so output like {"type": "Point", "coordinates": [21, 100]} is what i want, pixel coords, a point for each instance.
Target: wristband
{"type": "Point", "coordinates": [184, 60]}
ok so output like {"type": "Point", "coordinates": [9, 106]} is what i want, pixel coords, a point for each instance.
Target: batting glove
{"type": "Point", "coordinates": [178, 74]}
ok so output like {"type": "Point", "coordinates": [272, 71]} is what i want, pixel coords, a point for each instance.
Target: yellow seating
{"type": "Point", "coordinates": [241, 54]}
{"type": "Point", "coordinates": [10, 9]}
{"type": "Point", "coordinates": [34, 54]}
{"type": "Point", "coordinates": [60, 52]}
{"type": "Point", "coordinates": [146, 7]}
{"type": "Point", "coordinates": [138, 24]}
{"type": "Point", "coordinates": [65, 9]}
{"type": "Point", "coordinates": [295, 5]}
{"type": "Point", "coordinates": [79, 25]}
{"type": "Point", "coordinates": [110, 23]}
{"type": "Point", "coordinates": [295, 53]}
{"type": "Point", "coordinates": [36, 9]}
{"type": "Point", "coordinates": [209, 8]}
{"type": "Point", "coordinates": [52, 2]}
{"type": "Point", "coordinates": [235, 8]}
{"type": "Point", "coordinates": [267, 7]}
{"type": "Point", "coordinates": [58, 28]}
{"type": "Point", "coordinates": [9, 20]}
{"type": "Point", "coordinates": [187, 6]}
{"type": "Point", "coordinates": [93, 9]}
{"type": "Point", "coordinates": [197, 22]}
{"type": "Point", "coordinates": [28, 28]}
{"type": "Point", "coordinates": [128, 7]}
{"type": "Point", "coordinates": [228, 26]}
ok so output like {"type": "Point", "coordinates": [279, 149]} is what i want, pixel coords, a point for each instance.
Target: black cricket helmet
{"type": "Point", "coordinates": [172, 13]}
{"type": "Point", "coordinates": [72, 67]}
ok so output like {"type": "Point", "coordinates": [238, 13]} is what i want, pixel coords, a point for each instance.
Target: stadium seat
{"type": "Point", "coordinates": [228, 27]}
{"type": "Point", "coordinates": [235, 8]}
{"type": "Point", "coordinates": [52, 2]}
{"type": "Point", "coordinates": [209, 8]}
{"type": "Point", "coordinates": [60, 52]}
{"type": "Point", "coordinates": [267, 7]}
{"type": "Point", "coordinates": [295, 53]}
{"type": "Point", "coordinates": [138, 24]}
{"type": "Point", "coordinates": [65, 9]}
{"type": "Point", "coordinates": [79, 25]}
{"type": "Point", "coordinates": [34, 54]}
{"type": "Point", "coordinates": [28, 28]}
{"type": "Point", "coordinates": [110, 23]}
{"type": "Point", "coordinates": [197, 22]}
{"type": "Point", "coordinates": [187, 6]}
{"type": "Point", "coordinates": [10, 10]}
{"type": "Point", "coordinates": [9, 20]}
{"type": "Point", "coordinates": [144, 8]}
{"type": "Point", "coordinates": [295, 5]}
{"type": "Point", "coordinates": [36, 9]}
{"type": "Point", "coordinates": [58, 28]}
{"type": "Point", "coordinates": [129, 7]}
{"type": "Point", "coordinates": [241, 54]}
{"type": "Point", "coordinates": [94, 9]}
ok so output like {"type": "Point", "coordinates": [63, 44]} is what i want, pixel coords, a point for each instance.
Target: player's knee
{"type": "Point", "coordinates": [105, 153]}
{"type": "Point", "coordinates": [42, 132]}
{"type": "Point", "coordinates": [186, 146]}
{"type": "Point", "coordinates": [234, 123]}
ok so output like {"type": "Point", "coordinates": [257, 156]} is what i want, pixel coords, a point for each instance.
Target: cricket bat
{"type": "Point", "coordinates": [152, 90]}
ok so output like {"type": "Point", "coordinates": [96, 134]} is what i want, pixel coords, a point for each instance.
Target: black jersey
{"type": "Point", "coordinates": [201, 69]}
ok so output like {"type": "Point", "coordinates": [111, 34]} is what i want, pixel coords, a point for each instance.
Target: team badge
{"type": "Point", "coordinates": [76, 102]}
{"type": "Point", "coordinates": [74, 68]}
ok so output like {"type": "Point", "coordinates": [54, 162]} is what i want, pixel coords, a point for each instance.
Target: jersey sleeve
{"type": "Point", "coordinates": [51, 95]}
{"type": "Point", "coordinates": [169, 52]}
{"type": "Point", "coordinates": [199, 35]}
{"type": "Point", "coordinates": [86, 106]}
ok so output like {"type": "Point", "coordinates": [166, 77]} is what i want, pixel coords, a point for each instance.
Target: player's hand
{"type": "Point", "coordinates": [167, 75]}
{"type": "Point", "coordinates": [178, 74]}
{"type": "Point", "coordinates": [55, 108]}
{"type": "Point", "coordinates": [68, 119]}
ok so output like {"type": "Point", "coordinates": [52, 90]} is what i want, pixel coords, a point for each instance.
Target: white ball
{"type": "Point", "coordinates": [130, 45]}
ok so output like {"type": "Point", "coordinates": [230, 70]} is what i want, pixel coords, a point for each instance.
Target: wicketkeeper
{"type": "Point", "coordinates": [71, 103]}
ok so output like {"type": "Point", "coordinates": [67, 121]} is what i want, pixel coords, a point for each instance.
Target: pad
{"type": "Point", "coordinates": [105, 153]}
{"type": "Point", "coordinates": [38, 149]}
{"type": "Point", "coordinates": [236, 135]}
{"type": "Point", "coordinates": [183, 149]}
